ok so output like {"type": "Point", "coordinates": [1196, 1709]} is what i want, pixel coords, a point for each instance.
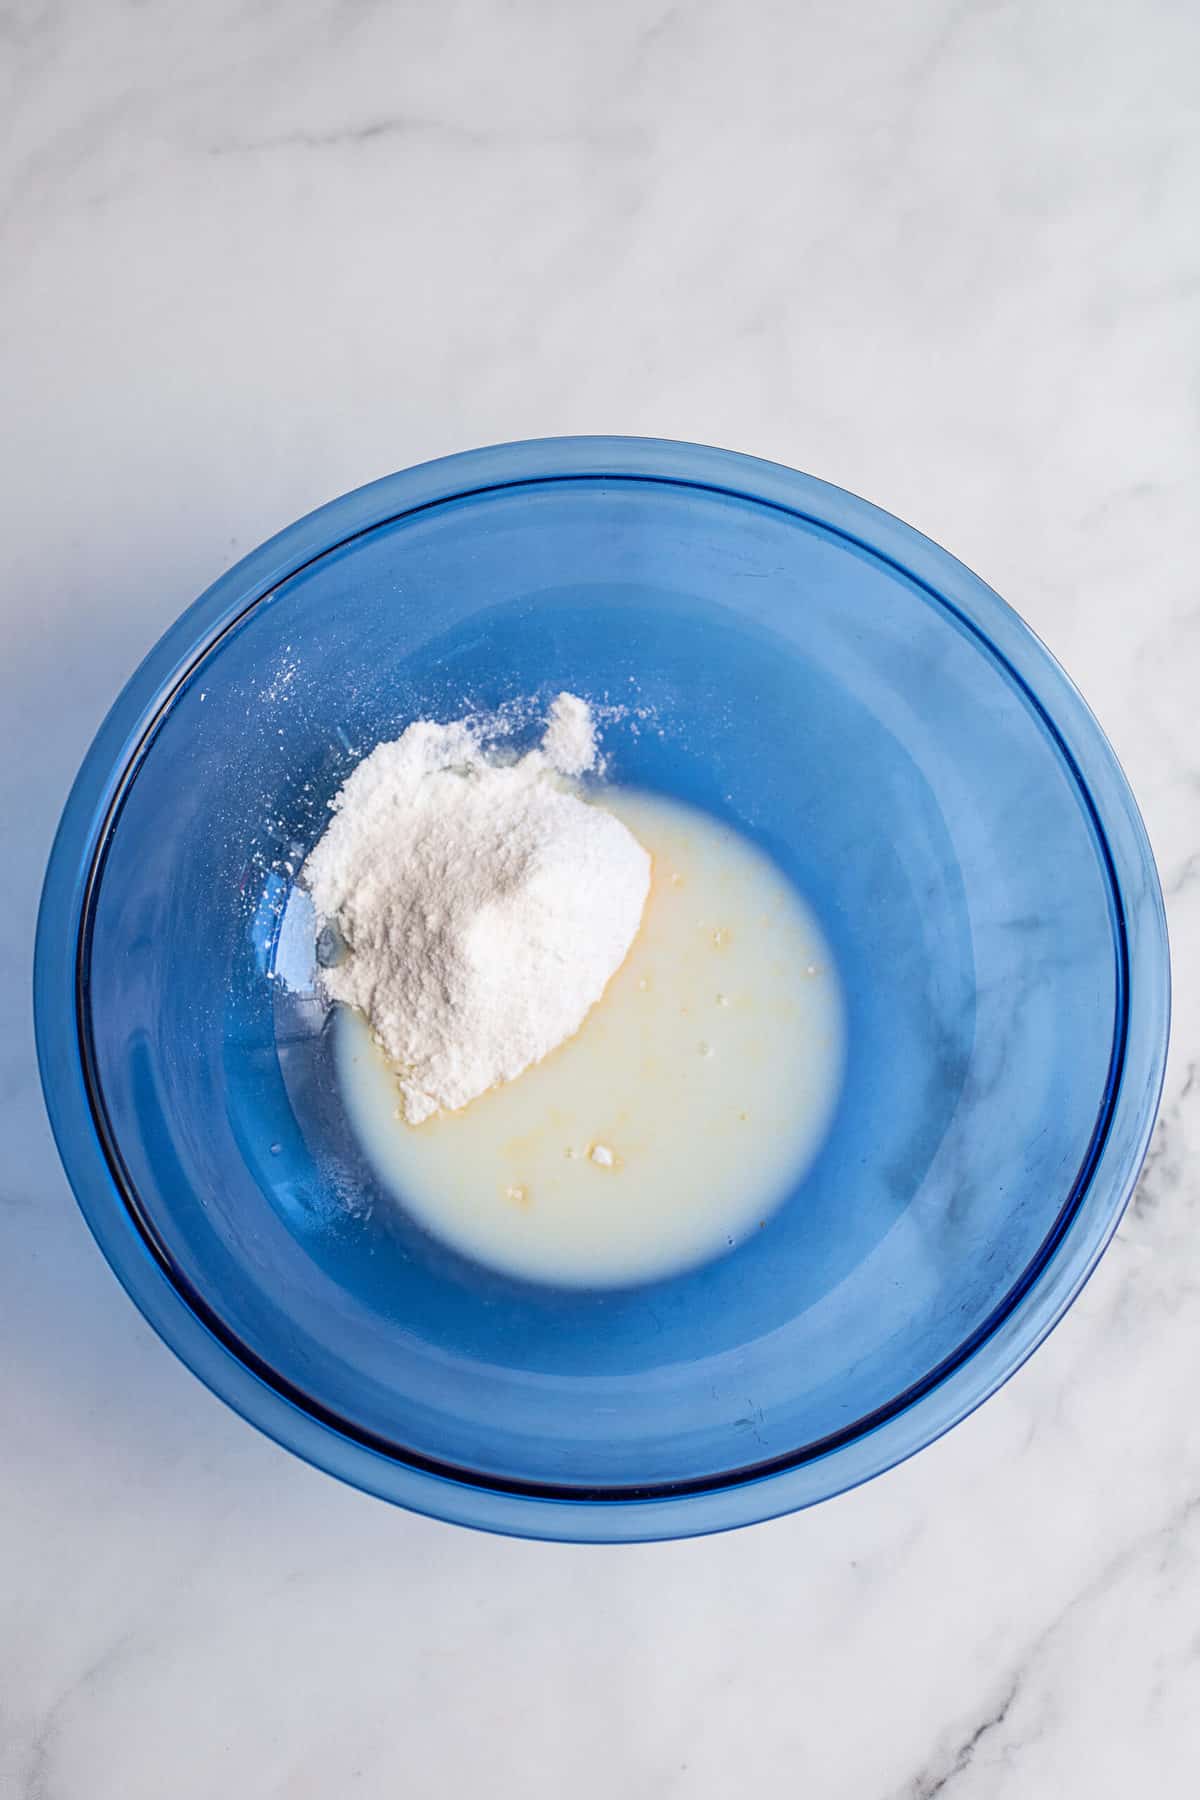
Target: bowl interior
{"type": "Point", "coordinates": [794, 684]}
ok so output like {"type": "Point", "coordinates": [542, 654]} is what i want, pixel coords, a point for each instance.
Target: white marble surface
{"type": "Point", "coordinates": [942, 253]}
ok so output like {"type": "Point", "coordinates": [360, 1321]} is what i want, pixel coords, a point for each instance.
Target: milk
{"type": "Point", "coordinates": [683, 1111]}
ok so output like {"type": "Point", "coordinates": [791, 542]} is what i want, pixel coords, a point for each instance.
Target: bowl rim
{"type": "Point", "coordinates": [979, 1367]}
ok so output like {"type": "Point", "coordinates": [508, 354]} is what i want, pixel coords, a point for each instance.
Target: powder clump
{"type": "Point", "coordinates": [482, 908]}
{"type": "Point", "coordinates": [570, 741]}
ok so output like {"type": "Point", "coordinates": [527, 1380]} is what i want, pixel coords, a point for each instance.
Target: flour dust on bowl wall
{"type": "Point", "coordinates": [602, 989]}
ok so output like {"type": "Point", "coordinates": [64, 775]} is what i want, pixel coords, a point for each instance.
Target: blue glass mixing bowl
{"type": "Point", "coordinates": [823, 678]}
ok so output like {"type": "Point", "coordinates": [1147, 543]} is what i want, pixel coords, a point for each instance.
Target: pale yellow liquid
{"type": "Point", "coordinates": [707, 1073]}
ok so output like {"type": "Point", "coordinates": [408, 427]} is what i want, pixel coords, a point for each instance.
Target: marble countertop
{"type": "Point", "coordinates": [942, 254]}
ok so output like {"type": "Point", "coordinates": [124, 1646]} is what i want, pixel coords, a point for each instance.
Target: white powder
{"type": "Point", "coordinates": [570, 740]}
{"type": "Point", "coordinates": [483, 908]}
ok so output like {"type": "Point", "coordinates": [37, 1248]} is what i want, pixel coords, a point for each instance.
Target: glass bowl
{"type": "Point", "coordinates": [818, 675]}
